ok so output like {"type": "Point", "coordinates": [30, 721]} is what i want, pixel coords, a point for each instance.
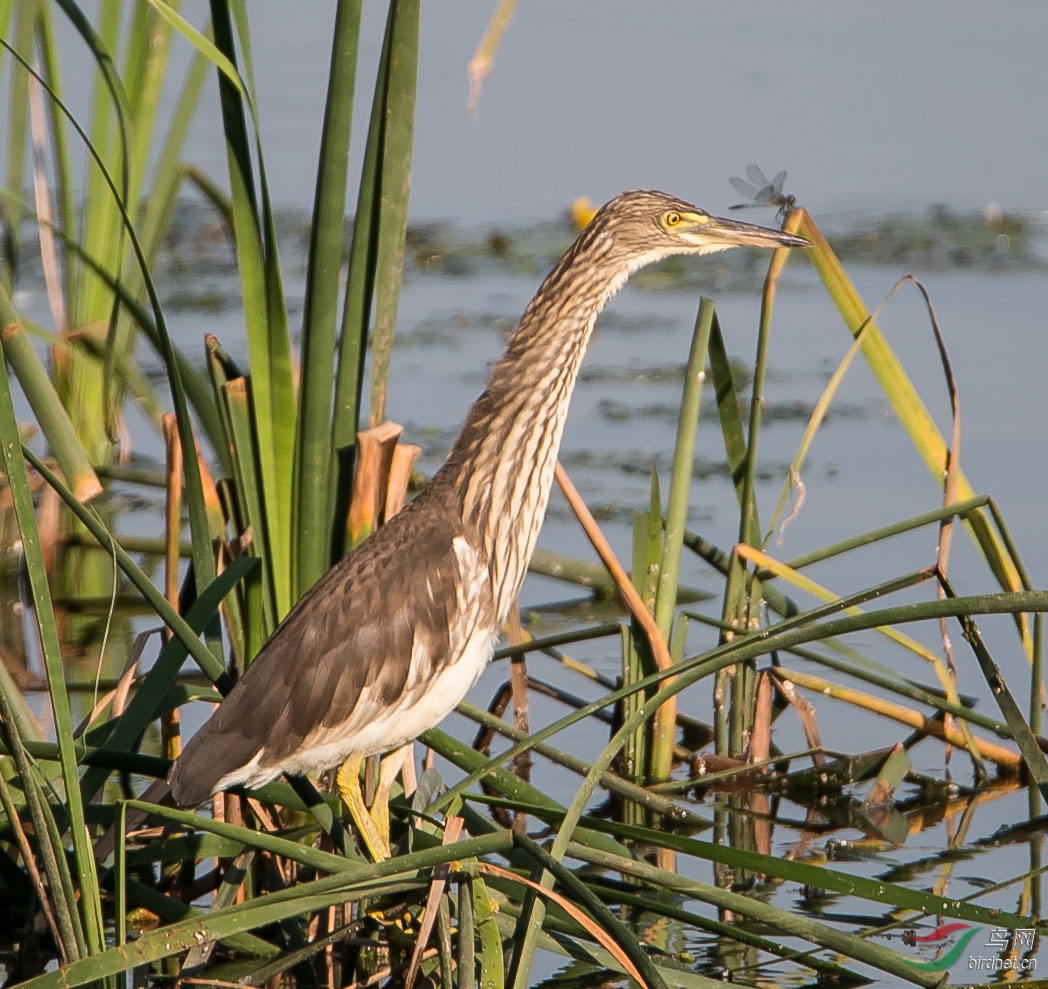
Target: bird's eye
{"type": "Point", "coordinates": [672, 218]}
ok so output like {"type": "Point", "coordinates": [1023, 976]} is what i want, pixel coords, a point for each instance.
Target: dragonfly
{"type": "Point", "coordinates": [762, 191]}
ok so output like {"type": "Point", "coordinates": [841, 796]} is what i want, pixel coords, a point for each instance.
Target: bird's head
{"type": "Point", "coordinates": [644, 225]}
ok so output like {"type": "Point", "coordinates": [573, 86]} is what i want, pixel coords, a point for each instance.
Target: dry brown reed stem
{"type": "Point", "coordinates": [170, 722]}
{"type": "Point", "coordinates": [665, 720]}
{"type": "Point", "coordinates": [116, 698]}
{"type": "Point", "coordinates": [518, 680]}
{"type": "Point", "coordinates": [404, 455]}
{"type": "Point", "coordinates": [29, 858]}
{"type": "Point", "coordinates": [601, 936]}
{"type": "Point", "coordinates": [806, 714]}
{"type": "Point", "coordinates": [375, 449]}
{"type": "Point", "coordinates": [659, 650]}
{"type": "Point", "coordinates": [949, 489]}
{"type": "Point", "coordinates": [1001, 757]}
{"type": "Point", "coordinates": [760, 731]}
{"type": "Point", "coordinates": [484, 57]}
{"type": "Point", "coordinates": [172, 510]}
{"type": "Point", "coordinates": [44, 213]}
{"type": "Point", "coordinates": [452, 830]}
{"type": "Point", "coordinates": [48, 525]}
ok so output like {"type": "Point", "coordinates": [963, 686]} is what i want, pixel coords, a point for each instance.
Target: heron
{"type": "Point", "coordinates": [390, 639]}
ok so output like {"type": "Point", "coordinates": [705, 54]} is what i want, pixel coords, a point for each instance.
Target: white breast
{"type": "Point", "coordinates": [427, 699]}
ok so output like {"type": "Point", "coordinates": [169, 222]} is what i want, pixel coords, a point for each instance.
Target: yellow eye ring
{"type": "Point", "coordinates": [672, 218]}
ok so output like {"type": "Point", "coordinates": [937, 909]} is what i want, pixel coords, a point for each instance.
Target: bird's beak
{"type": "Point", "coordinates": [720, 232]}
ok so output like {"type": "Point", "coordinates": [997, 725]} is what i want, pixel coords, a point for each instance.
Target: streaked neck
{"type": "Point", "coordinates": [502, 462]}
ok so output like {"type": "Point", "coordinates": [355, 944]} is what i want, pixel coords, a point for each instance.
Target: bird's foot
{"type": "Point", "coordinates": [373, 827]}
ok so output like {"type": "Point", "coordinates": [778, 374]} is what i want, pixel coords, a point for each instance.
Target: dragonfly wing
{"type": "Point", "coordinates": [756, 176]}
{"type": "Point", "coordinates": [742, 187]}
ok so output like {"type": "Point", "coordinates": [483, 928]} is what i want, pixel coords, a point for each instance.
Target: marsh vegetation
{"type": "Point", "coordinates": [707, 762]}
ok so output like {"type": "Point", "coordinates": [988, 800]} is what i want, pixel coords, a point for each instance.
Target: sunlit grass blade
{"type": "Point", "coordinates": [233, 840]}
{"type": "Point", "coordinates": [800, 581]}
{"type": "Point", "coordinates": [311, 509]}
{"type": "Point", "coordinates": [770, 565]}
{"type": "Point", "coordinates": [147, 40]}
{"type": "Point", "coordinates": [376, 251]}
{"type": "Point", "coordinates": [727, 398]}
{"type": "Point", "coordinates": [484, 57]}
{"type": "Point", "coordinates": [168, 910]}
{"type": "Point", "coordinates": [165, 183]}
{"type": "Point", "coordinates": [492, 967]}
{"type": "Point", "coordinates": [478, 766]}
{"type": "Point", "coordinates": [906, 688]}
{"type": "Point", "coordinates": [739, 465]}
{"type": "Point", "coordinates": [397, 89]}
{"type": "Point", "coordinates": [15, 137]}
{"type": "Point", "coordinates": [637, 657]}
{"type": "Point", "coordinates": [742, 591]}
{"type": "Point", "coordinates": [269, 348]}
{"type": "Point", "coordinates": [198, 517]}
{"type": "Point", "coordinates": [901, 394]}
{"type": "Point", "coordinates": [63, 187]}
{"type": "Point", "coordinates": [103, 232]}
{"type": "Point", "coordinates": [664, 728]}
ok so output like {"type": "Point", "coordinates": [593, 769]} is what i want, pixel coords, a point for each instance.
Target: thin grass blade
{"type": "Point", "coordinates": [899, 391]}
{"type": "Point", "coordinates": [313, 464]}
{"type": "Point", "coordinates": [15, 138]}
{"type": "Point", "coordinates": [371, 246]}
{"type": "Point", "coordinates": [664, 728]}
{"type": "Point", "coordinates": [51, 655]}
{"type": "Point", "coordinates": [394, 178]}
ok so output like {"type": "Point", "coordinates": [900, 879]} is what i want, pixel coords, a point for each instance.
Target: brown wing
{"type": "Point", "coordinates": [342, 653]}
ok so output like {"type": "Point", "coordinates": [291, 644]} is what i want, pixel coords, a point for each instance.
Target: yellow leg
{"type": "Point", "coordinates": [348, 781]}
{"type": "Point", "coordinates": [389, 767]}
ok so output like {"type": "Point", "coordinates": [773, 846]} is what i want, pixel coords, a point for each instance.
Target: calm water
{"type": "Point", "coordinates": [595, 96]}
